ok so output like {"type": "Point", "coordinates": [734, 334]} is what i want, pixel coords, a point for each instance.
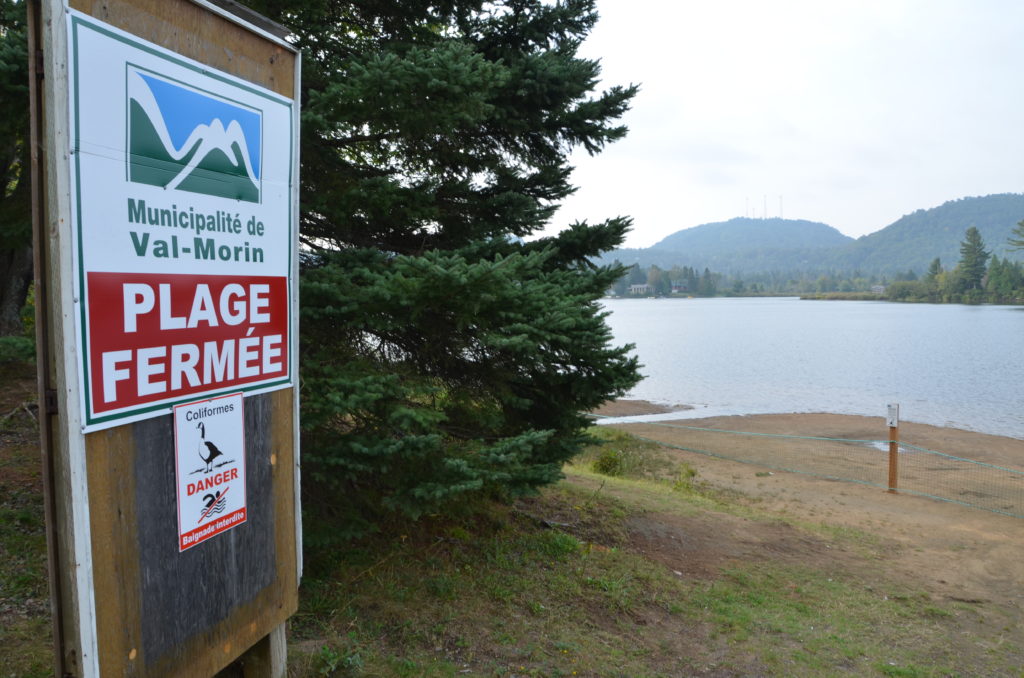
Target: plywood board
{"type": "Point", "coordinates": [128, 602]}
{"type": "Point", "coordinates": [166, 613]}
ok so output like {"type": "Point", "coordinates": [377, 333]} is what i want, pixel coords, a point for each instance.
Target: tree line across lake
{"type": "Point", "coordinates": [978, 277]}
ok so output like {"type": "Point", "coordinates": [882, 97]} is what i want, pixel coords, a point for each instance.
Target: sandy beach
{"type": "Point", "coordinates": [991, 449]}
{"type": "Point", "coordinates": [963, 553]}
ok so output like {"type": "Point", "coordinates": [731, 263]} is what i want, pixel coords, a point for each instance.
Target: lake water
{"type": "Point", "coordinates": [947, 365]}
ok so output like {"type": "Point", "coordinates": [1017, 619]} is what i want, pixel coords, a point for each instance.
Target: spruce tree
{"type": "Point", "coordinates": [15, 205]}
{"type": "Point", "coordinates": [1017, 241]}
{"type": "Point", "coordinates": [443, 352]}
{"type": "Point", "coordinates": [973, 259]}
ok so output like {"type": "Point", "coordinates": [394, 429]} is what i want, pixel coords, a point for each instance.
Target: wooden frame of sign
{"type": "Point", "coordinates": [131, 595]}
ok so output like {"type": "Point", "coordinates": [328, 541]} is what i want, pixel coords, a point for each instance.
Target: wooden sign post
{"type": "Point", "coordinates": [893, 420]}
{"type": "Point", "coordinates": [165, 154]}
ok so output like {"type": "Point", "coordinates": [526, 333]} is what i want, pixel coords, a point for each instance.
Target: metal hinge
{"type": "Point", "coordinates": [50, 401]}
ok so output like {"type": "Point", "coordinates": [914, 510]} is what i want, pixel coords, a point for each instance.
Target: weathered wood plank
{"type": "Point", "coordinates": [115, 549]}
{"type": "Point", "coordinates": [75, 642]}
{"type": "Point", "coordinates": [191, 31]}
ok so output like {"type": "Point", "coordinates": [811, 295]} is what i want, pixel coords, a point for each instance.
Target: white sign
{"type": "Point", "coordinates": [182, 207]}
{"type": "Point", "coordinates": [893, 415]}
{"type": "Point", "coordinates": [209, 442]}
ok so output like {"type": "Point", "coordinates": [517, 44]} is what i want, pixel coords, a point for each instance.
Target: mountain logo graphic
{"type": "Point", "coordinates": [184, 139]}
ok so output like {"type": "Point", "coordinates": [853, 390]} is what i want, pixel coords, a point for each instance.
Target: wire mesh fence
{"type": "Point", "coordinates": [964, 481]}
{"type": "Point", "coordinates": [921, 471]}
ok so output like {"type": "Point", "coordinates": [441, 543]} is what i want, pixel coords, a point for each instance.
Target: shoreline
{"type": "Point", "coordinates": [627, 407]}
{"type": "Point", "coordinates": [988, 448]}
{"type": "Point", "coordinates": [636, 411]}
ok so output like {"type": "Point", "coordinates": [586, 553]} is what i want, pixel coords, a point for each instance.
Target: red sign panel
{"type": "Point", "coordinates": [159, 337]}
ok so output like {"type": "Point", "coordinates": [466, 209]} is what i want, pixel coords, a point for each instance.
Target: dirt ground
{"type": "Point", "coordinates": [953, 552]}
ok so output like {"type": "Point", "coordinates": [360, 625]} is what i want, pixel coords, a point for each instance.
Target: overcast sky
{"type": "Point", "coordinates": [853, 112]}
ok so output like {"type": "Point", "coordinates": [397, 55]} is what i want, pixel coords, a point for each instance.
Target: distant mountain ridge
{"type": "Point", "coordinates": [743, 233]}
{"type": "Point", "coordinates": [747, 246]}
{"type": "Point", "coordinates": [914, 240]}
{"type": "Point", "coordinates": [741, 245]}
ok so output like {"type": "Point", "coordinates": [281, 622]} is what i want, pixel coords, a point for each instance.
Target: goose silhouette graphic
{"type": "Point", "coordinates": [207, 450]}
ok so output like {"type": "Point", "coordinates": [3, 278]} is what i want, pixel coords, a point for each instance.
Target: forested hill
{"type": "Point", "coordinates": [740, 245]}
{"type": "Point", "coordinates": [914, 240]}
{"type": "Point", "coordinates": [739, 233]}
{"type": "Point", "coordinates": [745, 246]}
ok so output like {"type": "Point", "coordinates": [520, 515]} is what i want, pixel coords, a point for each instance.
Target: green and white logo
{"type": "Point", "coordinates": [185, 139]}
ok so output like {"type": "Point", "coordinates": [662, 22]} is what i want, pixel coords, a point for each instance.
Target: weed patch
{"type": "Point", "coordinates": [619, 454]}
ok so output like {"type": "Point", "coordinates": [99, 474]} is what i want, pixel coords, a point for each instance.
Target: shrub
{"type": "Point", "coordinates": [609, 462]}
{"type": "Point", "coordinates": [17, 349]}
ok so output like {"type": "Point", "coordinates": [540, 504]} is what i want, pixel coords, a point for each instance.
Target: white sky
{"type": "Point", "coordinates": [855, 112]}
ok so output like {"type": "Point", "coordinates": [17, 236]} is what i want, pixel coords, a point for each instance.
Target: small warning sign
{"type": "Point", "coordinates": [209, 441]}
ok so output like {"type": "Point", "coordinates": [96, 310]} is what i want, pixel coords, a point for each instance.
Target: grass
{"type": "Point", "coordinates": [515, 599]}
{"type": "Point", "coordinates": [553, 587]}
{"type": "Point", "coordinates": [25, 633]}
{"type": "Point", "coordinates": [559, 585]}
